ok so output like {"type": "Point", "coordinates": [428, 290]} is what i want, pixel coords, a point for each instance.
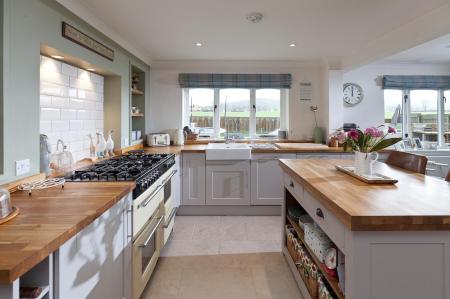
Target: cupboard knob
{"type": "Point", "coordinates": [319, 213]}
{"type": "Point", "coordinates": [291, 184]}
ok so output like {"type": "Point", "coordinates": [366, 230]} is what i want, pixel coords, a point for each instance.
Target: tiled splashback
{"type": "Point", "coordinates": [71, 105]}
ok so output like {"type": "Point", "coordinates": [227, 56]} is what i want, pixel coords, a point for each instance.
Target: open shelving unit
{"type": "Point", "coordinates": [138, 92]}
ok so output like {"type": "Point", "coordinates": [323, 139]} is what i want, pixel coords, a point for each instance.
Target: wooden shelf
{"type": "Point", "coordinates": [332, 281]}
{"type": "Point", "coordinates": [137, 92]}
{"type": "Point", "coordinates": [137, 114]}
{"type": "Point", "coordinates": [294, 270]}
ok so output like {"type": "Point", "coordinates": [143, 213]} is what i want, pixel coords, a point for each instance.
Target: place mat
{"type": "Point", "coordinates": [375, 178]}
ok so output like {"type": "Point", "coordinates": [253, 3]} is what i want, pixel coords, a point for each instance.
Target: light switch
{"type": "Point", "coordinates": [22, 167]}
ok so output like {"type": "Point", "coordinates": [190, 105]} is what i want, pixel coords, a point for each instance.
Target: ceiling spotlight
{"type": "Point", "coordinates": [198, 44]}
{"type": "Point", "coordinates": [90, 69]}
{"type": "Point", "coordinates": [292, 45]}
{"type": "Point", "coordinates": [57, 56]}
{"type": "Point", "coordinates": [255, 17]}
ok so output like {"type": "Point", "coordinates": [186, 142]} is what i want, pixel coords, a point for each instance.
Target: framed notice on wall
{"type": "Point", "coordinates": [306, 91]}
{"type": "Point", "coordinates": [76, 36]}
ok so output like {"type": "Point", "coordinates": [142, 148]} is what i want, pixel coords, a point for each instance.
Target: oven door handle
{"type": "Point", "coordinates": [145, 244]}
{"type": "Point", "coordinates": [150, 197]}
{"type": "Point", "coordinates": [172, 214]}
{"type": "Point", "coordinates": [169, 177]}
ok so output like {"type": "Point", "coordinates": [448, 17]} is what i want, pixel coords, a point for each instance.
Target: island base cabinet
{"type": "Point", "coordinates": [413, 265]}
{"type": "Point", "coordinates": [228, 183]}
{"type": "Point", "coordinates": [267, 179]}
{"type": "Point", "coordinates": [94, 263]}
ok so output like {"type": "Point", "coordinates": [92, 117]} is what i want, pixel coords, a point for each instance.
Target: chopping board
{"type": "Point", "coordinates": [303, 146]}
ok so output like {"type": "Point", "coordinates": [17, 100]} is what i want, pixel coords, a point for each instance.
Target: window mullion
{"type": "Point", "coordinates": [252, 122]}
{"type": "Point", "coordinates": [216, 113]}
{"type": "Point", "coordinates": [441, 117]}
{"type": "Point", "coordinates": [406, 112]}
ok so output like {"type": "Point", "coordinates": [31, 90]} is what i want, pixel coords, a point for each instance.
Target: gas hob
{"type": "Point", "coordinates": [138, 166]}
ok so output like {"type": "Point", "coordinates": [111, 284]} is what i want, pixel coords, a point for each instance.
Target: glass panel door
{"type": "Point", "coordinates": [423, 121]}
{"type": "Point", "coordinates": [393, 109]}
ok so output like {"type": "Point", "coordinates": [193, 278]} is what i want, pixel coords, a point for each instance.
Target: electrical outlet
{"type": "Point", "coordinates": [22, 167]}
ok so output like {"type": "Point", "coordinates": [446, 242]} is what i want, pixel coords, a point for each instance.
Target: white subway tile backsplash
{"type": "Point", "coordinates": [45, 126]}
{"type": "Point", "coordinates": [71, 105]}
{"type": "Point", "coordinates": [60, 125]}
{"type": "Point", "coordinates": [83, 114]}
{"type": "Point", "coordinates": [68, 114]}
{"type": "Point", "coordinates": [60, 102]}
{"type": "Point", "coordinates": [54, 89]}
{"type": "Point", "coordinates": [75, 125]}
{"type": "Point", "coordinates": [50, 114]}
{"type": "Point", "coordinates": [69, 70]}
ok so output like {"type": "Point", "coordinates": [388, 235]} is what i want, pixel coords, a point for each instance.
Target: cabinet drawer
{"type": "Point", "coordinates": [293, 187]}
{"type": "Point", "coordinates": [325, 219]}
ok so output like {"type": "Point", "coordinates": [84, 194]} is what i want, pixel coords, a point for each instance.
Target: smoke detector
{"type": "Point", "coordinates": [255, 17]}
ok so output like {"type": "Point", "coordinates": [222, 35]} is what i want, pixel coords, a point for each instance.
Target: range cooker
{"type": "Point", "coordinates": [153, 209]}
{"type": "Point", "coordinates": [137, 166]}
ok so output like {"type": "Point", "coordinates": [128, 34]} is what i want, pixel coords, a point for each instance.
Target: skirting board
{"type": "Point", "coordinates": [229, 210]}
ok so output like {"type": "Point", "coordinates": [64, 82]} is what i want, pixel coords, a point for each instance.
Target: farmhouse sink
{"type": "Point", "coordinates": [228, 151]}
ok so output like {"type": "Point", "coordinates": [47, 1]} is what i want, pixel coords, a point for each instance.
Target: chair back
{"type": "Point", "coordinates": [447, 178]}
{"type": "Point", "coordinates": [408, 161]}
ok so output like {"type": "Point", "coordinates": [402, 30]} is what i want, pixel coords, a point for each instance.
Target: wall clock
{"type": "Point", "coordinates": [353, 94]}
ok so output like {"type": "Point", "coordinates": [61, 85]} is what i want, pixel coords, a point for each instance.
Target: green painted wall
{"type": "Point", "coordinates": [27, 25]}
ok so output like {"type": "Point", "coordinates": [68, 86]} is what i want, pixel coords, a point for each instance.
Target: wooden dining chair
{"type": "Point", "coordinates": [408, 161]}
{"type": "Point", "coordinates": [447, 178]}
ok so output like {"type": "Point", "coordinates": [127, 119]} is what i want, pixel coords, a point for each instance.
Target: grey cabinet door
{"type": "Point", "coordinates": [176, 183]}
{"type": "Point", "coordinates": [193, 179]}
{"type": "Point", "coordinates": [228, 182]}
{"type": "Point", "coordinates": [267, 179]}
{"type": "Point", "coordinates": [92, 264]}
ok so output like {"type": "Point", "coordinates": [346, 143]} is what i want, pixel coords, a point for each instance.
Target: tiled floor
{"type": "Point", "coordinates": [223, 258]}
{"type": "Point", "coordinates": [227, 276]}
{"type": "Point", "coordinates": [208, 235]}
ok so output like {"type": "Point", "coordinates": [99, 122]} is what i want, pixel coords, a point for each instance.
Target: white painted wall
{"type": "Point", "coordinates": [71, 104]}
{"type": "Point", "coordinates": [370, 112]}
{"type": "Point", "coordinates": [166, 96]}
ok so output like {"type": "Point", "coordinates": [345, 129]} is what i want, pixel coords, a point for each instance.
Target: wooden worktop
{"type": "Point", "coordinates": [416, 202]}
{"type": "Point", "coordinates": [49, 218]}
{"type": "Point", "coordinates": [285, 148]}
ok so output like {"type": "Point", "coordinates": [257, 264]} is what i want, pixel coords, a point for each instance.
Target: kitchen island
{"type": "Point", "coordinates": [395, 238]}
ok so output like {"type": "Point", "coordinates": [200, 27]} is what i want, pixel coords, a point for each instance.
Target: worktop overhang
{"type": "Point", "coordinates": [416, 203]}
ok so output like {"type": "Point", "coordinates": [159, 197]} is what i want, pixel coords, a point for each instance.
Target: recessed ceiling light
{"type": "Point", "coordinates": [292, 45]}
{"type": "Point", "coordinates": [254, 17]}
{"type": "Point", "coordinates": [198, 44]}
{"type": "Point", "coordinates": [57, 56]}
{"type": "Point", "coordinates": [91, 69]}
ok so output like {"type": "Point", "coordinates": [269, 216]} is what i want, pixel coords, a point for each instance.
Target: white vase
{"type": "Point", "coordinates": [364, 162]}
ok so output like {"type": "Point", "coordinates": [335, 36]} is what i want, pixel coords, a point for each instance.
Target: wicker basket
{"type": "Point", "coordinates": [192, 136]}
{"type": "Point", "coordinates": [291, 244]}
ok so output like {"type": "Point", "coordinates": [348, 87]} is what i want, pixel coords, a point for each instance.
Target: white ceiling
{"type": "Point", "coordinates": [322, 29]}
{"type": "Point", "coordinates": [433, 52]}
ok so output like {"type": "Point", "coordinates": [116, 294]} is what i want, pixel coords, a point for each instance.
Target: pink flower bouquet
{"type": "Point", "coordinates": [373, 139]}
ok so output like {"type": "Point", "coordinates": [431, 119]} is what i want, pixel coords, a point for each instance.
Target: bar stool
{"type": "Point", "coordinates": [408, 161]}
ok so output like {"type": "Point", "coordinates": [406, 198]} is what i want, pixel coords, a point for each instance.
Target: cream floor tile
{"type": "Point", "coordinates": [236, 276]}
{"type": "Point", "coordinates": [249, 246]}
{"type": "Point", "coordinates": [191, 247]}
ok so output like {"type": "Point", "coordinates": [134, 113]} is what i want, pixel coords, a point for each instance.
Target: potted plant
{"type": "Point", "coordinates": [367, 144]}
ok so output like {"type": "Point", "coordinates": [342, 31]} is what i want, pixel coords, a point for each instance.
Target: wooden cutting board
{"type": "Point", "coordinates": [311, 146]}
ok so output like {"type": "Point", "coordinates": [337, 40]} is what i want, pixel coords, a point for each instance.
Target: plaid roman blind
{"type": "Point", "coordinates": [416, 82]}
{"type": "Point", "coordinates": [235, 80]}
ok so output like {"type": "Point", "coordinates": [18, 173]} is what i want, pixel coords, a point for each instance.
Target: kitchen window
{"type": "Point", "coordinates": [240, 112]}
{"type": "Point", "coordinates": [419, 113]}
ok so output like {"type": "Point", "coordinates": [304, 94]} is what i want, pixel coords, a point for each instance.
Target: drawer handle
{"type": "Point", "coordinates": [291, 184]}
{"type": "Point", "coordinates": [319, 213]}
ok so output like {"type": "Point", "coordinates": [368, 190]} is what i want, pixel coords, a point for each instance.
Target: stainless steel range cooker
{"type": "Point", "coordinates": [153, 207]}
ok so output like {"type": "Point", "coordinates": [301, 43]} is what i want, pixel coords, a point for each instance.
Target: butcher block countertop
{"type": "Point", "coordinates": [48, 218]}
{"type": "Point", "coordinates": [279, 148]}
{"type": "Point", "coordinates": [416, 202]}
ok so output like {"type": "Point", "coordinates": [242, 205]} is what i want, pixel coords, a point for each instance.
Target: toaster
{"type": "Point", "coordinates": [159, 139]}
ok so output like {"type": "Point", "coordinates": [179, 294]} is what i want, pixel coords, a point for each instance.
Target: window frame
{"type": "Point", "coordinates": [284, 113]}
{"type": "Point", "coordinates": [406, 113]}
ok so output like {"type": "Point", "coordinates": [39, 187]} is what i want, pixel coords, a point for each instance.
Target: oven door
{"type": "Point", "coordinates": [146, 250]}
{"type": "Point", "coordinates": [169, 209]}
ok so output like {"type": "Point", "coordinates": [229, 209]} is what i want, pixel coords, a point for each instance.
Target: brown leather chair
{"type": "Point", "coordinates": [447, 178]}
{"type": "Point", "coordinates": [408, 161]}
